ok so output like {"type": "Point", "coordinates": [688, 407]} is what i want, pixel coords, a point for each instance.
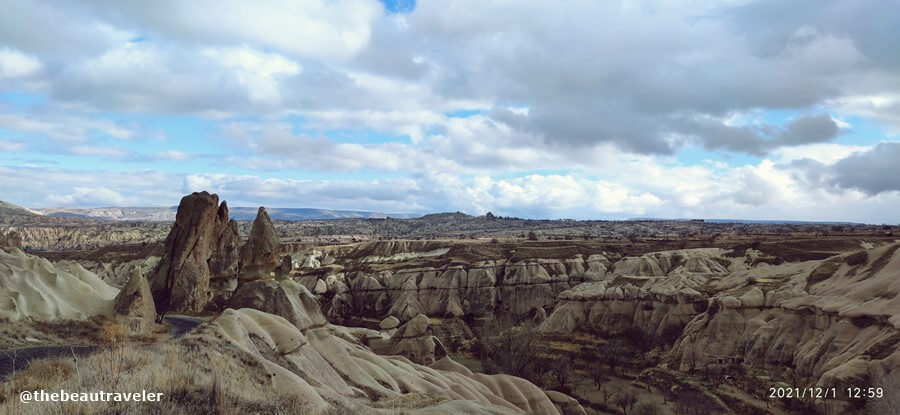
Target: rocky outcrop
{"type": "Point", "coordinates": [285, 298]}
{"type": "Point", "coordinates": [134, 304]}
{"type": "Point", "coordinates": [199, 248]}
{"type": "Point", "coordinates": [261, 254]}
{"type": "Point", "coordinates": [412, 340]}
{"type": "Point", "coordinates": [34, 288]}
{"type": "Point", "coordinates": [10, 239]}
{"type": "Point", "coordinates": [325, 368]}
{"type": "Point", "coordinates": [605, 308]}
{"type": "Point", "coordinates": [117, 273]}
{"type": "Point", "coordinates": [479, 289]}
{"type": "Point", "coordinates": [843, 331]}
{"type": "Point", "coordinates": [652, 292]}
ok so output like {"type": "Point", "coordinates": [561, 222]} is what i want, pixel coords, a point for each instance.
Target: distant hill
{"type": "Point", "coordinates": [9, 209]}
{"type": "Point", "coordinates": [167, 214]}
{"type": "Point", "coordinates": [750, 221]}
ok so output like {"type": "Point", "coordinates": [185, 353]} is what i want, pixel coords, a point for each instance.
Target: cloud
{"type": "Point", "coordinates": [761, 138]}
{"type": "Point", "coordinates": [872, 172]}
{"type": "Point", "coordinates": [11, 145]}
{"type": "Point", "coordinates": [15, 64]}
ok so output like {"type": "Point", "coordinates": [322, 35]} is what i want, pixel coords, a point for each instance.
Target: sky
{"type": "Point", "coordinates": [541, 109]}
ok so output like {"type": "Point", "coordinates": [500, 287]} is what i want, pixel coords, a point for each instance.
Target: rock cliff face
{"type": "Point", "coordinates": [651, 292]}
{"type": "Point", "coordinates": [49, 237]}
{"type": "Point", "coordinates": [479, 289]}
{"type": "Point", "coordinates": [834, 322]}
{"type": "Point", "coordinates": [412, 340]}
{"type": "Point", "coordinates": [286, 333]}
{"type": "Point", "coordinates": [201, 241]}
{"type": "Point", "coordinates": [261, 254]}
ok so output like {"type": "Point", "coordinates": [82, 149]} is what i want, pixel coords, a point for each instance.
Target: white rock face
{"type": "Point", "coordinates": [844, 328]}
{"type": "Point", "coordinates": [32, 287]}
{"type": "Point", "coordinates": [318, 361]}
{"type": "Point", "coordinates": [478, 289]}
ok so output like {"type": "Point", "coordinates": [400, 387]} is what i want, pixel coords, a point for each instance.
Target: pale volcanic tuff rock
{"type": "Point", "coordinates": [599, 306]}
{"type": "Point", "coordinates": [412, 340]}
{"type": "Point", "coordinates": [65, 237]}
{"type": "Point", "coordinates": [285, 298]}
{"type": "Point", "coordinates": [261, 254]}
{"type": "Point", "coordinates": [652, 292]}
{"type": "Point", "coordinates": [482, 288]}
{"type": "Point", "coordinates": [201, 241]}
{"type": "Point", "coordinates": [134, 304]}
{"type": "Point", "coordinates": [324, 367]}
{"type": "Point", "coordinates": [117, 274]}
{"type": "Point", "coordinates": [844, 330]}
{"type": "Point", "coordinates": [33, 287]}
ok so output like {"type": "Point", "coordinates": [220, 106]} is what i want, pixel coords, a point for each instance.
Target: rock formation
{"type": "Point", "coordinates": [34, 288]}
{"type": "Point", "coordinates": [324, 367]}
{"type": "Point", "coordinates": [202, 241]}
{"type": "Point", "coordinates": [134, 304]}
{"type": "Point", "coordinates": [285, 298]}
{"type": "Point", "coordinates": [10, 239]}
{"type": "Point", "coordinates": [261, 253]}
{"type": "Point", "coordinates": [412, 340]}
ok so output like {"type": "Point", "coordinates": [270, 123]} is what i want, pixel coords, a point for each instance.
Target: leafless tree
{"type": "Point", "coordinates": [513, 349]}
{"type": "Point", "coordinates": [625, 400]}
{"type": "Point", "coordinates": [608, 393]}
{"type": "Point", "coordinates": [562, 370]}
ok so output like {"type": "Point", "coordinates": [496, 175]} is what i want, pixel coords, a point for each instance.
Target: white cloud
{"type": "Point", "coordinates": [15, 64]}
{"type": "Point", "coordinates": [258, 72]}
{"type": "Point", "coordinates": [11, 145]}
{"type": "Point", "coordinates": [63, 127]}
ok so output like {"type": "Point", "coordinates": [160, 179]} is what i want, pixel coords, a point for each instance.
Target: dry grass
{"type": "Point", "coordinates": [192, 381]}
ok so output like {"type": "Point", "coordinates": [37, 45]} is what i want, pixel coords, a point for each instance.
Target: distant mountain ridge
{"type": "Point", "coordinates": [9, 209]}
{"type": "Point", "coordinates": [167, 214]}
{"type": "Point", "coordinates": [752, 221]}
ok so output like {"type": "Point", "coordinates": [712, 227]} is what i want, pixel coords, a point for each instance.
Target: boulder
{"type": "Point", "coordinates": [134, 304]}
{"type": "Point", "coordinates": [199, 247]}
{"type": "Point", "coordinates": [259, 256]}
{"type": "Point", "coordinates": [389, 323]}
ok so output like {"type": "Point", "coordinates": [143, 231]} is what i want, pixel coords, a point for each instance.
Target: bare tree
{"type": "Point", "coordinates": [608, 393]}
{"type": "Point", "coordinates": [625, 400]}
{"type": "Point", "coordinates": [513, 349]}
{"type": "Point", "coordinates": [562, 370]}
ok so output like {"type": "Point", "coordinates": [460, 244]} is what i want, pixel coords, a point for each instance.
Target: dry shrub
{"type": "Point", "coordinates": [112, 332]}
{"type": "Point", "coordinates": [823, 272]}
{"type": "Point", "coordinates": [857, 258]}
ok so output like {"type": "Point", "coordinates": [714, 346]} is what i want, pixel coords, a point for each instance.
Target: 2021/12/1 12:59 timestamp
{"type": "Point", "coordinates": [825, 393]}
